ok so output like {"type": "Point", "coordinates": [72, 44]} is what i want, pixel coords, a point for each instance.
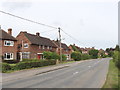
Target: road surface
{"type": "Point", "coordinates": [88, 74]}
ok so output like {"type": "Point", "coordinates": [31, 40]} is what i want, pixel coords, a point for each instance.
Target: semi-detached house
{"type": "Point", "coordinates": [64, 48]}
{"type": "Point", "coordinates": [32, 46]}
{"type": "Point", "coordinates": [8, 45]}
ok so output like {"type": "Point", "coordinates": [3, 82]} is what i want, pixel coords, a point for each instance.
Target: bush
{"type": "Point", "coordinates": [55, 56]}
{"type": "Point", "coordinates": [93, 53]}
{"type": "Point", "coordinates": [33, 64]}
{"type": "Point", "coordinates": [5, 67]}
{"type": "Point", "coordinates": [28, 60]}
{"type": "Point", "coordinates": [116, 58]}
{"type": "Point", "coordinates": [26, 65]}
{"type": "Point", "coordinates": [76, 56]}
{"type": "Point", "coordinates": [85, 56]}
{"type": "Point", "coordinates": [50, 55]}
{"type": "Point", "coordinates": [64, 58]}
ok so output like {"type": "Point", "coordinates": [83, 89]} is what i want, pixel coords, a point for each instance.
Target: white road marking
{"type": "Point", "coordinates": [89, 66]}
{"type": "Point", "coordinates": [75, 73]}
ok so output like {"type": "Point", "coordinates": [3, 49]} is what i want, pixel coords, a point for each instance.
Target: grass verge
{"type": "Point", "coordinates": [112, 77]}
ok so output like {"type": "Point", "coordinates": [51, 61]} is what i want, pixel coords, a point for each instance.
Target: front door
{"type": "Point", "coordinates": [39, 56]}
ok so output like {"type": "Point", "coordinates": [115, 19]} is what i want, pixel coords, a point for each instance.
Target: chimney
{"type": "Point", "coordinates": [10, 31]}
{"type": "Point", "coordinates": [38, 34]}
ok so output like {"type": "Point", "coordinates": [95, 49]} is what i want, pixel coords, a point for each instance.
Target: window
{"type": "Point", "coordinates": [66, 50]}
{"type": "Point", "coordinates": [25, 55]}
{"type": "Point", "coordinates": [9, 43]}
{"type": "Point", "coordinates": [8, 56]}
{"type": "Point", "coordinates": [43, 47]}
{"type": "Point", "coordinates": [39, 47]}
{"type": "Point", "coordinates": [51, 48]}
{"type": "Point", "coordinates": [25, 45]}
{"type": "Point", "coordinates": [48, 47]}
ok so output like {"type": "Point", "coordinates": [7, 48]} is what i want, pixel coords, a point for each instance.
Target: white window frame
{"type": "Point", "coordinates": [48, 47]}
{"type": "Point", "coordinates": [25, 55]}
{"type": "Point", "coordinates": [11, 56]}
{"type": "Point", "coordinates": [26, 44]}
{"type": "Point", "coordinates": [51, 48]}
{"type": "Point", "coordinates": [11, 43]}
{"type": "Point", "coordinates": [43, 47]}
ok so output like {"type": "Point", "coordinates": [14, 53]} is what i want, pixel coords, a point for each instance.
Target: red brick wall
{"type": "Point", "coordinates": [8, 49]}
{"type": "Point", "coordinates": [33, 49]}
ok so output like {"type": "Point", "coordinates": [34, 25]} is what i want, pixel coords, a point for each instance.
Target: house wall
{"type": "Point", "coordinates": [8, 49]}
{"type": "Point", "coordinates": [34, 50]}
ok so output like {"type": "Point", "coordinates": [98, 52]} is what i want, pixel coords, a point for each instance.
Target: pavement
{"type": "Point", "coordinates": [82, 74]}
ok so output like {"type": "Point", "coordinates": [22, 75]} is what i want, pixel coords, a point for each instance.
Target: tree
{"type": "Point", "coordinates": [76, 56]}
{"type": "Point", "coordinates": [117, 48]}
{"type": "Point", "coordinates": [109, 51]}
{"type": "Point", "coordinates": [93, 53]}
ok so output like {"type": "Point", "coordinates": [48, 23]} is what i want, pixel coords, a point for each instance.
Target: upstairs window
{"type": "Point", "coordinates": [26, 45]}
{"type": "Point", "coordinates": [48, 47]}
{"type": "Point", "coordinates": [43, 47]}
{"type": "Point", "coordinates": [8, 43]}
{"type": "Point", "coordinates": [8, 56]}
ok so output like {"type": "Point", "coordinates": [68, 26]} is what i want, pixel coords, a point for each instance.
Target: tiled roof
{"type": "Point", "coordinates": [38, 40]}
{"type": "Point", "coordinates": [63, 45]}
{"type": "Point", "coordinates": [5, 36]}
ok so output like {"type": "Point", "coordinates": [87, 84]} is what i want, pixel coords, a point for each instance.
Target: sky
{"type": "Point", "coordinates": [94, 23]}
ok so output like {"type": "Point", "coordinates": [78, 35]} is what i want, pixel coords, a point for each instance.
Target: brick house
{"type": "Point", "coordinates": [65, 49]}
{"type": "Point", "coordinates": [32, 46]}
{"type": "Point", "coordinates": [8, 45]}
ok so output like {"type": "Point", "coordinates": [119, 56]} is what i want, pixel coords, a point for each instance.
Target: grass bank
{"type": "Point", "coordinates": [112, 77]}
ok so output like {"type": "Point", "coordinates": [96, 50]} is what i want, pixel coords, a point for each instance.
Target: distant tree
{"type": "Point", "coordinates": [117, 48]}
{"type": "Point", "coordinates": [94, 53]}
{"type": "Point", "coordinates": [109, 51]}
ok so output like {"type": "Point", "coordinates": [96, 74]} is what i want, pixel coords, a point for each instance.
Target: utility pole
{"type": "Point", "coordinates": [60, 44]}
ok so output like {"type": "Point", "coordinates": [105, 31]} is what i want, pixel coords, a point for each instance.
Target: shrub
{"type": "Point", "coordinates": [64, 58]}
{"type": "Point", "coordinates": [93, 53]}
{"type": "Point", "coordinates": [5, 67]}
{"type": "Point", "coordinates": [85, 56]}
{"type": "Point", "coordinates": [55, 56]}
{"type": "Point", "coordinates": [76, 56]}
{"type": "Point", "coordinates": [116, 58]}
{"type": "Point", "coordinates": [27, 60]}
{"type": "Point", "coordinates": [33, 64]}
{"type": "Point", "coordinates": [51, 55]}
{"type": "Point", "coordinates": [47, 55]}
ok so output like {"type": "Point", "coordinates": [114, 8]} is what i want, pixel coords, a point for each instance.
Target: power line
{"type": "Point", "coordinates": [47, 31]}
{"type": "Point", "coordinates": [71, 36]}
{"type": "Point", "coordinates": [27, 19]}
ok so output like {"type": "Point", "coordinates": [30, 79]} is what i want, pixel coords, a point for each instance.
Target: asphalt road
{"type": "Point", "coordinates": [88, 74]}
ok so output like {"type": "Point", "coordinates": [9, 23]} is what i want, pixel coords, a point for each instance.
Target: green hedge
{"type": "Point", "coordinates": [5, 67]}
{"type": "Point", "coordinates": [116, 58]}
{"type": "Point", "coordinates": [27, 65]}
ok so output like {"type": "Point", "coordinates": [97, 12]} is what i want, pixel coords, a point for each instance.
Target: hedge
{"type": "Point", "coordinates": [27, 65]}
{"type": "Point", "coordinates": [5, 67]}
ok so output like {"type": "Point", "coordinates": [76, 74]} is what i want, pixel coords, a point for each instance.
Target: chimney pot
{"type": "Point", "coordinates": [38, 34]}
{"type": "Point", "coordinates": [10, 31]}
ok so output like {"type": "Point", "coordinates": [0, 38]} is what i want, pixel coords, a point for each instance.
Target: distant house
{"type": "Point", "coordinates": [65, 49]}
{"type": "Point", "coordinates": [8, 45]}
{"type": "Point", "coordinates": [32, 46]}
